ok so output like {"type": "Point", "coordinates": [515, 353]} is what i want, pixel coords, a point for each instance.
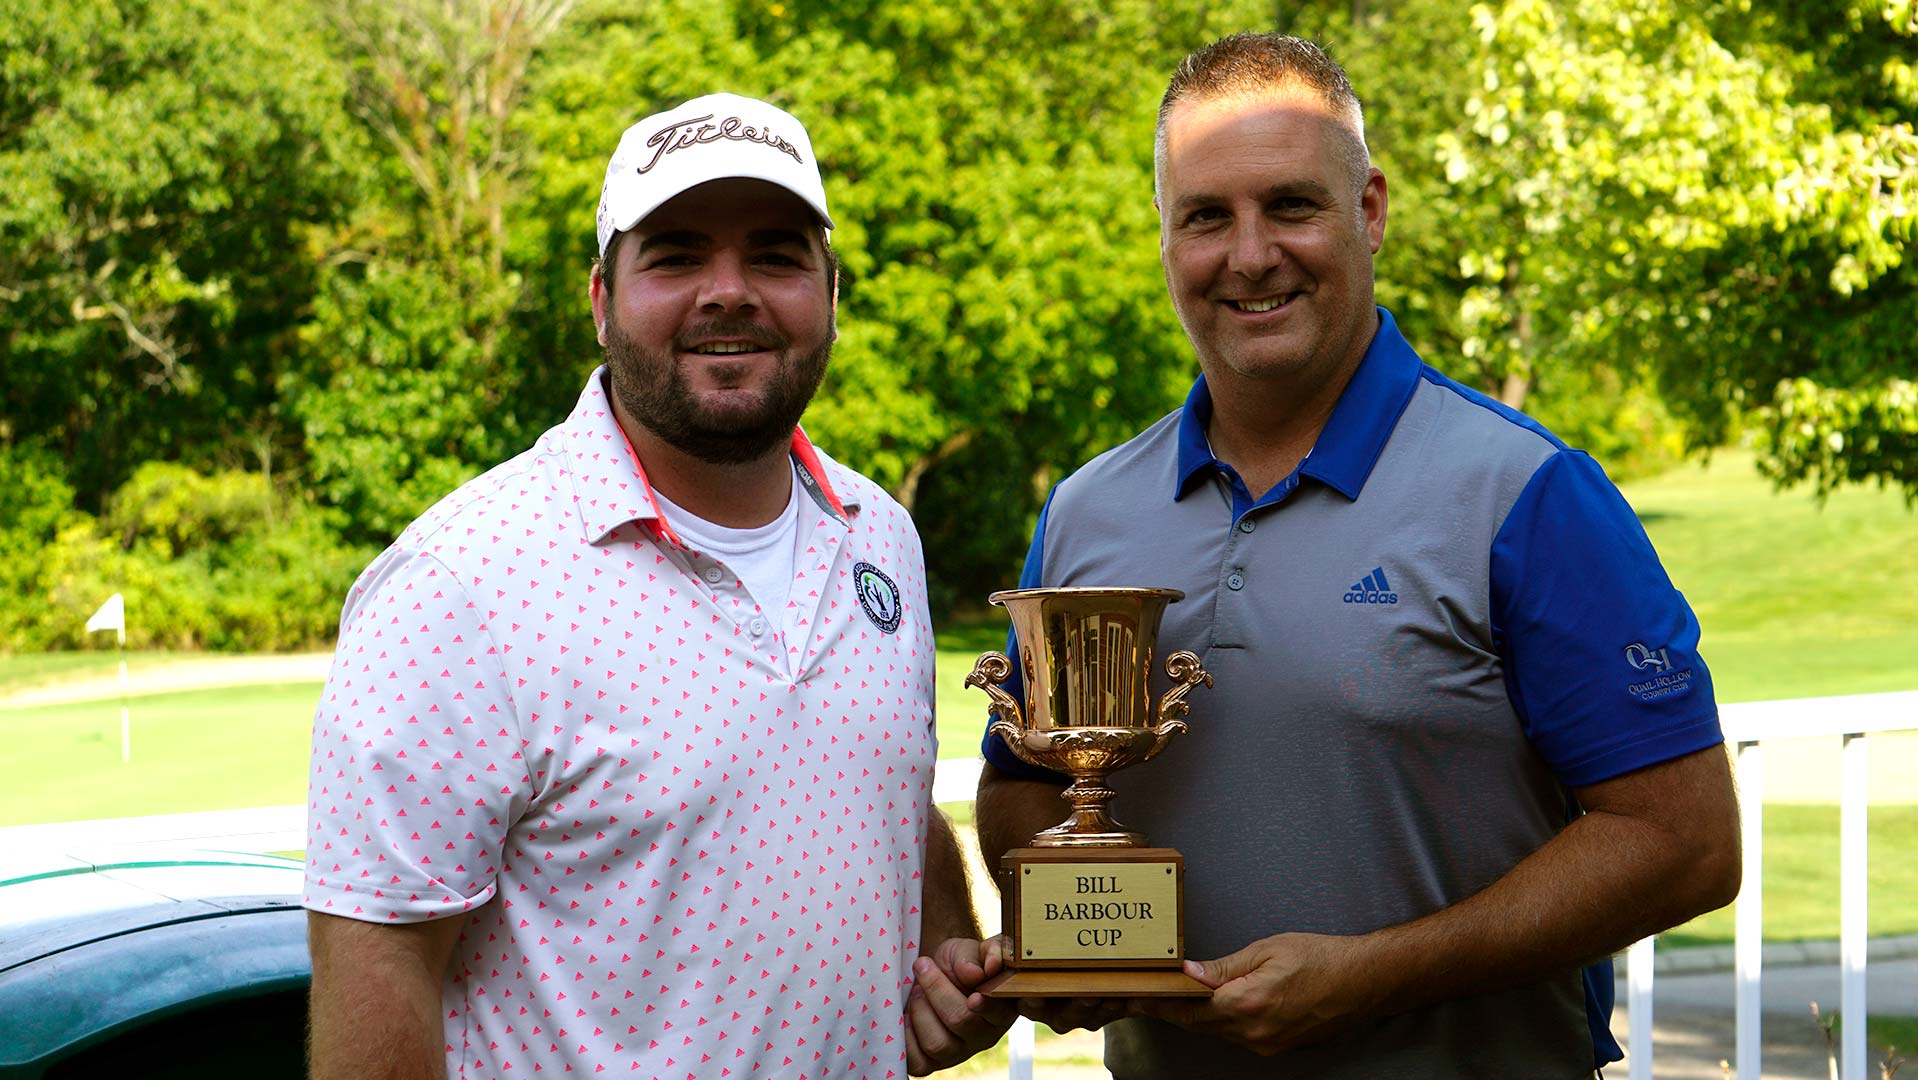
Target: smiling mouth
{"type": "Point", "coordinates": [727, 348]}
{"type": "Point", "coordinates": [1261, 304]}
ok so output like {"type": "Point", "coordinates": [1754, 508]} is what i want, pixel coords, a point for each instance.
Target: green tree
{"type": "Point", "coordinates": [1003, 316]}
{"type": "Point", "coordinates": [1838, 394]}
{"type": "Point", "coordinates": [163, 163]}
{"type": "Point", "coordinates": [342, 250]}
{"type": "Point", "coordinates": [407, 387]}
{"type": "Point", "coordinates": [1633, 183]}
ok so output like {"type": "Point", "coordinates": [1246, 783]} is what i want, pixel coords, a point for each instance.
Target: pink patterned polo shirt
{"type": "Point", "coordinates": [683, 833]}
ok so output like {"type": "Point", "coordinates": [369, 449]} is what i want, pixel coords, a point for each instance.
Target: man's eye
{"type": "Point", "coordinates": [775, 258]}
{"type": "Point", "coordinates": [673, 260]}
{"type": "Point", "coordinates": [1205, 215]}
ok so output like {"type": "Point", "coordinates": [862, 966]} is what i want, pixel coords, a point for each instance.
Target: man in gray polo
{"type": "Point", "coordinates": [1461, 748]}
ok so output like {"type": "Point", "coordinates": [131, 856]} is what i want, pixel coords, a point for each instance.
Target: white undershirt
{"type": "Point", "coordinates": [762, 556]}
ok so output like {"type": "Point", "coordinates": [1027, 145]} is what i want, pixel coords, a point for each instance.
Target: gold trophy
{"type": "Point", "coordinates": [1092, 911]}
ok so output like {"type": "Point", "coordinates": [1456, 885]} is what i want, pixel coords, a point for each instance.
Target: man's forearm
{"type": "Point", "coordinates": [372, 1029]}
{"type": "Point", "coordinates": [1615, 875]}
{"type": "Point", "coordinates": [945, 905]}
{"type": "Point", "coordinates": [1010, 811]}
{"type": "Point", "coordinates": [375, 1000]}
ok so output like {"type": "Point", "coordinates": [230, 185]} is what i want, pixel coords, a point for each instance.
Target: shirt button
{"type": "Point", "coordinates": [713, 575]}
{"type": "Point", "coordinates": [758, 627]}
{"type": "Point", "coordinates": [1247, 525]}
{"type": "Point", "coordinates": [1235, 582]}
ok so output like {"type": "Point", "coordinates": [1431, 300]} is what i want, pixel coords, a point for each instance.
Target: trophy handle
{"type": "Point", "coordinates": [988, 671]}
{"type": "Point", "coordinates": [1008, 724]}
{"type": "Point", "coordinates": [1186, 672]}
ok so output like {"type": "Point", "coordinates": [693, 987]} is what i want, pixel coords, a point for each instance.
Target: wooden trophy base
{"type": "Point", "coordinates": [1090, 922]}
{"type": "Point", "coordinates": [1054, 982]}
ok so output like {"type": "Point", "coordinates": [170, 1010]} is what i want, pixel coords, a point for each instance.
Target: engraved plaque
{"type": "Point", "coordinates": [1099, 911]}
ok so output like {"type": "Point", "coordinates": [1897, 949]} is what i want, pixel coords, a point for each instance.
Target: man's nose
{"type": "Point", "coordinates": [1255, 248]}
{"type": "Point", "coordinates": [726, 286]}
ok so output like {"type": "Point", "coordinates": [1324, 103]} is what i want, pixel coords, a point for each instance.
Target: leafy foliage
{"type": "Point", "coordinates": [216, 561]}
{"type": "Point", "coordinates": [275, 276]}
{"type": "Point", "coordinates": [1002, 313]}
{"type": "Point", "coordinates": [1734, 219]}
{"type": "Point", "coordinates": [162, 163]}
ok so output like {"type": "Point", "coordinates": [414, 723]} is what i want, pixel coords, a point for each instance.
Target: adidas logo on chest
{"type": "Point", "coordinates": [1372, 590]}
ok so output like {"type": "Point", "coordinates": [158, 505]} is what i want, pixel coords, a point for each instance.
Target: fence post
{"type": "Point", "coordinates": [1748, 937]}
{"type": "Point", "coordinates": [1638, 974]}
{"type": "Point", "coordinates": [1020, 1050]}
{"type": "Point", "coordinates": [1852, 907]}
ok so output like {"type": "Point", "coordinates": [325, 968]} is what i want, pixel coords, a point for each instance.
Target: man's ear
{"type": "Point", "coordinates": [596, 289]}
{"type": "Point", "coordinates": [1372, 203]}
{"type": "Point", "coordinates": [1159, 213]}
{"type": "Point", "coordinates": [833, 270]}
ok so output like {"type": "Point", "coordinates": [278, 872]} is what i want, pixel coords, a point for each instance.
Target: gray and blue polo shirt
{"type": "Point", "coordinates": [1423, 639]}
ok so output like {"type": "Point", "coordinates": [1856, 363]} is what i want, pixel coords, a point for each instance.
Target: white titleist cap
{"type": "Point", "coordinates": [708, 138]}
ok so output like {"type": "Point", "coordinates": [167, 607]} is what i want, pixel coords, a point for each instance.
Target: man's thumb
{"type": "Point", "coordinates": [1213, 973]}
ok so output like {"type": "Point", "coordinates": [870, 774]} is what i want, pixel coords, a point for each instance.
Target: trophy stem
{"type": "Point", "coordinates": [1090, 825]}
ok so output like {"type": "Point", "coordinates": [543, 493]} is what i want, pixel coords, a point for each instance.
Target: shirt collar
{"type": "Point", "coordinates": [610, 480]}
{"type": "Point", "coordinates": [1361, 422]}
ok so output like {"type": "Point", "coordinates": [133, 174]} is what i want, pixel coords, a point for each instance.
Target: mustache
{"type": "Point", "coordinates": [739, 329]}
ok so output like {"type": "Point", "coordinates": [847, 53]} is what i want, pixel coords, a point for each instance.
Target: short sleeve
{"type": "Point", "coordinates": [416, 774]}
{"type": "Point", "coordinates": [1031, 576]}
{"type": "Point", "coordinates": [1601, 650]}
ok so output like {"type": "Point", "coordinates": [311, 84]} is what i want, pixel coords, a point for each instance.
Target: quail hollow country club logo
{"type": "Point", "coordinates": [878, 596]}
{"type": "Point", "coordinates": [1645, 659]}
{"type": "Point", "coordinates": [695, 131]}
{"type": "Point", "coordinates": [1656, 663]}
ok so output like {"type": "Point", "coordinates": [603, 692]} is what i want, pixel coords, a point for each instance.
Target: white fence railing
{"type": "Point", "coordinates": [1748, 727]}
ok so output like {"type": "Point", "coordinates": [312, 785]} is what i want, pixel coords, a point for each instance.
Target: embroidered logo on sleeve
{"type": "Point", "coordinates": [878, 596]}
{"type": "Point", "coordinates": [1661, 680]}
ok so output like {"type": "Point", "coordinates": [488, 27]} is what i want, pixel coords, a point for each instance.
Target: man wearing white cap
{"type": "Point", "coordinates": [624, 763]}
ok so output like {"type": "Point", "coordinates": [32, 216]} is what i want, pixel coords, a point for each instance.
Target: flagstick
{"type": "Point", "coordinates": [126, 728]}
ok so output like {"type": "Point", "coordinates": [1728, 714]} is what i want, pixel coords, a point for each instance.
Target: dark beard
{"type": "Point", "coordinates": [653, 390]}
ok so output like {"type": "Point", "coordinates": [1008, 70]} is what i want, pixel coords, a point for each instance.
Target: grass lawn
{"type": "Point", "coordinates": [1795, 601]}
{"type": "Point", "coordinates": [202, 750]}
{"type": "Point", "coordinates": [21, 670]}
{"type": "Point", "coordinates": [1893, 1033]}
{"type": "Point", "coordinates": [1801, 878]}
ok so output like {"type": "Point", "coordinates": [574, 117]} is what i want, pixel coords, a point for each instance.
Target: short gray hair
{"type": "Point", "coordinates": [1248, 63]}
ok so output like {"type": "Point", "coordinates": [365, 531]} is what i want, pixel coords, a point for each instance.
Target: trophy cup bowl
{"type": "Point", "coordinates": [1086, 657]}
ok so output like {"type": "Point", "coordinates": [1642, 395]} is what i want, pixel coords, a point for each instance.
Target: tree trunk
{"type": "Point", "coordinates": [1041, 483]}
{"type": "Point", "coordinates": [908, 491]}
{"type": "Point", "coordinates": [1513, 389]}
{"type": "Point", "coordinates": [1518, 380]}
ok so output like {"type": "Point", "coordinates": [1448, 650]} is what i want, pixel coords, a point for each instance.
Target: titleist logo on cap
{"type": "Point", "coordinates": [683, 134]}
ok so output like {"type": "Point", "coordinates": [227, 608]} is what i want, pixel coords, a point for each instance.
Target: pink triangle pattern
{"type": "Point", "coordinates": [675, 852]}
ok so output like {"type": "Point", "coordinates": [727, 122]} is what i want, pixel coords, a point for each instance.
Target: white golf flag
{"type": "Point", "coordinates": [111, 616]}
